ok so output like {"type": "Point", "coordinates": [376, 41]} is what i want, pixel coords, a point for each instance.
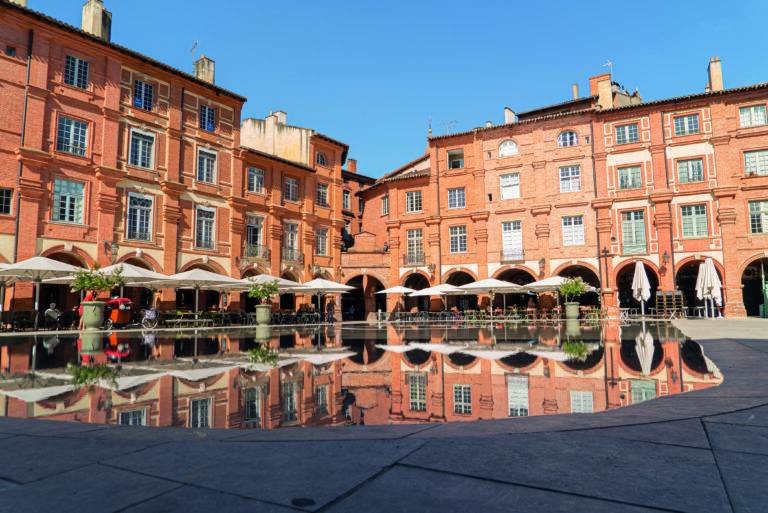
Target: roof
{"type": "Point", "coordinates": [165, 67]}
{"type": "Point", "coordinates": [337, 143]}
{"type": "Point", "coordinates": [278, 159]}
{"type": "Point", "coordinates": [400, 173]}
{"type": "Point", "coordinates": [357, 177]}
{"type": "Point", "coordinates": [556, 105]}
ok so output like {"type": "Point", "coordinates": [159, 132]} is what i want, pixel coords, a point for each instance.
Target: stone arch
{"type": "Point", "coordinates": [690, 259]}
{"type": "Point", "coordinates": [519, 275]}
{"type": "Point", "coordinates": [199, 263]}
{"type": "Point", "coordinates": [524, 362]}
{"type": "Point", "coordinates": [750, 278]}
{"type": "Point", "coordinates": [150, 262]}
{"type": "Point", "coordinates": [514, 267]}
{"type": "Point", "coordinates": [579, 263]}
{"type": "Point", "coordinates": [407, 275]}
{"type": "Point", "coordinates": [456, 270]}
{"type": "Point", "coordinates": [416, 280]}
{"type": "Point", "coordinates": [252, 271]}
{"type": "Point", "coordinates": [624, 285]}
{"type": "Point", "coordinates": [457, 277]}
{"type": "Point", "coordinates": [64, 298]}
{"type": "Point", "coordinates": [363, 298]}
{"type": "Point", "coordinates": [686, 274]}
{"type": "Point", "coordinates": [592, 363]}
{"type": "Point", "coordinates": [77, 254]}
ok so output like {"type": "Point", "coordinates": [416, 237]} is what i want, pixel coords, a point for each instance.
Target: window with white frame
{"type": "Point", "coordinates": [458, 239]}
{"type": "Point", "coordinates": [289, 391]}
{"type": "Point", "coordinates": [345, 200]}
{"type": "Point", "coordinates": [758, 216]}
{"type": "Point", "coordinates": [756, 162]}
{"type": "Point", "coordinates": [510, 186]}
{"type": "Point", "coordinates": [291, 236]}
{"type": "Point", "coordinates": [139, 217]}
{"type": "Point", "coordinates": [6, 197]}
{"type": "Point", "coordinates": [581, 402]}
{"type": "Point", "coordinates": [206, 166]}
{"type": "Point", "coordinates": [207, 118]}
{"type": "Point", "coordinates": [133, 417]}
{"type": "Point", "coordinates": [633, 232]}
{"type": "Point", "coordinates": [417, 391]}
{"type": "Point", "coordinates": [385, 205]}
{"type": "Point", "coordinates": [462, 399]}
{"type": "Point", "coordinates": [512, 240]}
{"type": "Point", "coordinates": [753, 115]}
{"type": "Point", "coordinates": [72, 136]}
{"type": "Point", "coordinates": [205, 227]}
{"type": "Point", "coordinates": [694, 221]}
{"type": "Point", "coordinates": [507, 149]}
{"type": "Point", "coordinates": [321, 161]}
{"type": "Point", "coordinates": [630, 177]}
{"type": "Point", "coordinates": [252, 406]}
{"type": "Point", "coordinates": [76, 72]}
{"type": "Point", "coordinates": [291, 189]}
{"type": "Point", "coordinates": [142, 148]}
{"type": "Point", "coordinates": [456, 198]}
{"type": "Point", "coordinates": [573, 230]}
{"type": "Point", "coordinates": [321, 241]}
{"type": "Point", "coordinates": [690, 171]}
{"type": "Point", "coordinates": [686, 125]}
{"type": "Point", "coordinates": [455, 159]}
{"type": "Point", "coordinates": [642, 390]}
{"type": "Point", "coordinates": [517, 396]}
{"type": "Point", "coordinates": [414, 246]}
{"type": "Point", "coordinates": [254, 230]}
{"type": "Point", "coordinates": [200, 413]}
{"type": "Point", "coordinates": [143, 95]}
{"type": "Point", "coordinates": [570, 179]}
{"type": "Point", "coordinates": [68, 201]}
{"type": "Point", "coordinates": [321, 400]}
{"type": "Point", "coordinates": [626, 134]}
{"type": "Point", "coordinates": [256, 180]}
{"type": "Point", "coordinates": [413, 201]}
{"type": "Point", "coordinates": [567, 138]}
{"type": "Point", "coordinates": [322, 195]}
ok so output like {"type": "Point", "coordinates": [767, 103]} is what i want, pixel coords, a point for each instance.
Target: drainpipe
{"type": "Point", "coordinates": [594, 186]}
{"type": "Point", "coordinates": [21, 145]}
{"type": "Point", "coordinates": [181, 139]}
{"type": "Point", "coordinates": [439, 223]}
{"type": "Point", "coordinates": [669, 205]}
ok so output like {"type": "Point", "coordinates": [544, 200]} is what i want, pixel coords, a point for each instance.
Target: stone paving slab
{"type": "Point", "coordinates": [331, 433]}
{"type": "Point", "coordinates": [745, 477]}
{"type": "Point", "coordinates": [749, 439]}
{"type": "Point", "coordinates": [689, 433]}
{"type": "Point", "coordinates": [190, 499]}
{"type": "Point", "coordinates": [757, 416]}
{"type": "Point", "coordinates": [14, 426]}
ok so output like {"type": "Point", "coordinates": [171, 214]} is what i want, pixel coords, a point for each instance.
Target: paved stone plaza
{"type": "Point", "coordinates": [693, 452]}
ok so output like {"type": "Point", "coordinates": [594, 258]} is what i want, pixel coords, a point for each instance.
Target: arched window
{"type": "Point", "coordinates": [567, 138]}
{"type": "Point", "coordinates": [507, 148]}
{"type": "Point", "coordinates": [321, 160]}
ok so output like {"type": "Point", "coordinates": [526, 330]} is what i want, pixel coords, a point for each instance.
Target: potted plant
{"type": "Point", "coordinates": [576, 350]}
{"type": "Point", "coordinates": [95, 281]}
{"type": "Point", "coordinates": [263, 291]}
{"type": "Point", "coordinates": [263, 355]}
{"type": "Point", "coordinates": [90, 375]}
{"type": "Point", "coordinates": [572, 288]}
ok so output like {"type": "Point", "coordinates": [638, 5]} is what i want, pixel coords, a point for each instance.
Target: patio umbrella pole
{"type": "Point", "coordinates": [197, 300]}
{"type": "Point", "coordinates": [37, 302]}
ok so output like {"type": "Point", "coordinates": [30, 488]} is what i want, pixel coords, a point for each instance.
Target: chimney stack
{"type": "Point", "coordinates": [600, 86]}
{"type": "Point", "coordinates": [488, 124]}
{"type": "Point", "coordinates": [715, 71]}
{"type": "Point", "coordinates": [352, 165]}
{"type": "Point", "coordinates": [205, 69]}
{"type": "Point", "coordinates": [509, 116]}
{"type": "Point", "coordinates": [96, 19]}
{"type": "Point", "coordinates": [575, 91]}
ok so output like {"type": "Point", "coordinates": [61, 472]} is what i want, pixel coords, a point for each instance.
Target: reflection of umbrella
{"type": "Point", "coordinates": [489, 354]}
{"type": "Point", "coordinates": [644, 349]}
{"type": "Point", "coordinates": [438, 348]}
{"type": "Point", "coordinates": [321, 358]}
{"type": "Point", "coordinates": [641, 288]}
{"type": "Point", "coordinates": [196, 279]}
{"type": "Point", "coordinates": [708, 285]}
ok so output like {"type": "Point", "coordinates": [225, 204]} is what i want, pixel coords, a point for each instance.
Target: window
{"type": "Point", "coordinates": [570, 179]}
{"type": "Point", "coordinates": [252, 406]}
{"type": "Point", "coordinates": [207, 118]}
{"type": "Point", "coordinates": [76, 72]}
{"type": "Point", "coordinates": [694, 220]}
{"type": "Point", "coordinates": [633, 232]}
{"type": "Point", "coordinates": [345, 200]}
{"type": "Point", "coordinates": [758, 216]}
{"type": "Point", "coordinates": [359, 227]}
{"type": "Point", "coordinates": [567, 138]}
{"type": "Point", "coordinates": [385, 205]}
{"type": "Point", "coordinates": [507, 149]}
{"type": "Point", "coordinates": [291, 189]}
{"type": "Point", "coordinates": [413, 201]}
{"type": "Point", "coordinates": [626, 134]}
{"type": "Point", "coordinates": [686, 125]}
{"type": "Point", "coordinates": [573, 231]}
{"type": "Point", "coordinates": [510, 186]}
{"type": "Point", "coordinates": [10, 51]}
{"type": "Point", "coordinates": [254, 230]}
{"type": "Point", "coordinates": [690, 171]}
{"type": "Point", "coordinates": [456, 198]}
{"type": "Point", "coordinates": [642, 390]}
{"type": "Point", "coordinates": [414, 247]}
{"type": "Point", "coordinates": [200, 413]}
{"type": "Point", "coordinates": [289, 391]}
{"type": "Point", "coordinates": [256, 180]}
{"type": "Point", "coordinates": [143, 95]}
{"type": "Point", "coordinates": [68, 201]}
{"type": "Point", "coordinates": [322, 195]}
{"type": "Point", "coordinates": [752, 116]}
{"type": "Point", "coordinates": [321, 160]}
{"type": "Point", "coordinates": [581, 402]}
{"type": "Point", "coordinates": [462, 399]}
{"type": "Point", "coordinates": [346, 232]}
{"type": "Point", "coordinates": [630, 177]}
{"type": "Point", "coordinates": [360, 205]}
{"type": "Point", "coordinates": [455, 159]}
{"type": "Point", "coordinates": [205, 227]}
{"type": "Point", "coordinates": [139, 222]}
{"type": "Point", "coordinates": [142, 149]}
{"type": "Point", "coordinates": [321, 237]}
{"type": "Point", "coordinates": [512, 241]}
{"type": "Point", "coordinates": [291, 236]}
{"type": "Point", "coordinates": [6, 196]}
{"type": "Point", "coordinates": [72, 136]}
{"type": "Point", "coordinates": [756, 162]}
{"type": "Point", "coordinates": [206, 166]}
{"type": "Point", "coordinates": [517, 395]}
{"type": "Point", "coordinates": [133, 417]}
{"type": "Point", "coordinates": [458, 239]}
{"type": "Point", "coordinates": [321, 400]}
{"type": "Point", "coordinates": [417, 388]}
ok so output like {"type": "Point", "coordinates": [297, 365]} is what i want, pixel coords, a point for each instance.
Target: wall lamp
{"type": "Point", "coordinates": [242, 262]}
{"type": "Point", "coordinates": [431, 268]}
{"type": "Point", "coordinates": [111, 248]}
{"type": "Point", "coordinates": [665, 258]}
{"type": "Point", "coordinates": [542, 263]}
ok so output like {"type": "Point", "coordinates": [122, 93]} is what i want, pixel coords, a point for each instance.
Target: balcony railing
{"type": "Point", "coordinates": [634, 249]}
{"type": "Point", "coordinates": [256, 251]}
{"type": "Point", "coordinates": [293, 255]}
{"type": "Point", "coordinates": [138, 235]}
{"type": "Point", "coordinates": [75, 149]}
{"type": "Point", "coordinates": [414, 259]}
{"type": "Point", "coordinates": [512, 255]}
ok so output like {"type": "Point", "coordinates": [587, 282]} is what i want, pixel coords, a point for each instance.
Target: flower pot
{"type": "Point", "coordinates": [571, 310]}
{"type": "Point", "coordinates": [93, 314]}
{"type": "Point", "coordinates": [572, 328]}
{"type": "Point", "coordinates": [91, 343]}
{"type": "Point", "coordinates": [263, 314]}
{"type": "Point", "coordinates": [263, 334]}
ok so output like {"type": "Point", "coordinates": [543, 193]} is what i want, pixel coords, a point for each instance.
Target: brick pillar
{"type": "Point", "coordinates": [108, 204]}
{"type": "Point", "coordinates": [275, 240]}
{"type": "Point", "coordinates": [171, 215]}
{"type": "Point", "coordinates": [733, 299]}
{"type": "Point", "coordinates": [165, 401]}
{"type": "Point", "coordinates": [480, 226]}
{"type": "Point", "coordinates": [541, 222]}
{"type": "Point", "coordinates": [432, 249]}
{"type": "Point", "coordinates": [662, 221]}
{"type": "Point", "coordinates": [604, 226]}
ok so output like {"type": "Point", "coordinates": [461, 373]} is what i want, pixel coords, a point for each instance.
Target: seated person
{"type": "Point", "coordinates": [52, 314]}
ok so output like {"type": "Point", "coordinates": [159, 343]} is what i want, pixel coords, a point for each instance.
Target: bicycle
{"type": "Point", "coordinates": [149, 318]}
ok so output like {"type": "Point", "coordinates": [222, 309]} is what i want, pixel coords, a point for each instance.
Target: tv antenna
{"type": "Point", "coordinates": [608, 64]}
{"type": "Point", "coordinates": [450, 125]}
{"type": "Point", "coordinates": [194, 46]}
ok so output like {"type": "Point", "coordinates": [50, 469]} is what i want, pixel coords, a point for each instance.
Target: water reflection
{"type": "Point", "coordinates": [361, 375]}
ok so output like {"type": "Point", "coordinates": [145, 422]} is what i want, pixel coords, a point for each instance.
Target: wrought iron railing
{"type": "Point", "coordinates": [139, 235]}
{"type": "Point", "coordinates": [414, 258]}
{"type": "Point", "coordinates": [256, 251]}
{"type": "Point", "coordinates": [293, 255]}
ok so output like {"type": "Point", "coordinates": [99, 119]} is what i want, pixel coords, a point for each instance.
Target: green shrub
{"type": "Point", "coordinates": [263, 291]}
{"type": "Point", "coordinates": [89, 375]}
{"type": "Point", "coordinates": [573, 288]}
{"type": "Point", "coordinates": [576, 350]}
{"type": "Point", "coordinates": [263, 355]}
{"type": "Point", "coordinates": [93, 279]}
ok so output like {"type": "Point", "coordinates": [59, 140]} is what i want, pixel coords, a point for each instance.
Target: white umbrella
{"type": "Point", "coordinates": [552, 284]}
{"type": "Point", "coordinates": [644, 349]}
{"type": "Point", "coordinates": [5, 281]}
{"type": "Point", "coordinates": [438, 290]}
{"type": "Point", "coordinates": [396, 290]}
{"type": "Point", "coordinates": [641, 288]}
{"type": "Point", "coordinates": [439, 348]}
{"type": "Point", "coordinates": [196, 279]}
{"type": "Point", "coordinates": [322, 287]}
{"type": "Point", "coordinates": [491, 286]}
{"type": "Point", "coordinates": [708, 285]}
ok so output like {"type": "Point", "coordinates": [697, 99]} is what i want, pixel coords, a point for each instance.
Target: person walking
{"type": "Point", "coordinates": [89, 296]}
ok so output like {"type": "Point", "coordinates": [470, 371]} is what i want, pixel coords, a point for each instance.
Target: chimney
{"type": "Point", "coordinates": [96, 19]}
{"type": "Point", "coordinates": [575, 91]}
{"type": "Point", "coordinates": [600, 86]}
{"type": "Point", "coordinates": [205, 69]}
{"type": "Point", "coordinates": [488, 124]}
{"type": "Point", "coordinates": [715, 71]}
{"type": "Point", "coordinates": [352, 165]}
{"type": "Point", "coordinates": [282, 117]}
{"type": "Point", "coordinates": [509, 116]}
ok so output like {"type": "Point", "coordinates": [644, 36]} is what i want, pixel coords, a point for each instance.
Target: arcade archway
{"type": "Point", "coordinates": [518, 277]}
{"type": "Point", "coordinates": [288, 300]}
{"type": "Point", "coordinates": [624, 279]}
{"type": "Point", "coordinates": [206, 299]}
{"type": "Point", "coordinates": [140, 296]}
{"type": "Point", "coordinates": [589, 277]}
{"type": "Point", "coordinates": [416, 281]}
{"type": "Point", "coordinates": [462, 302]}
{"type": "Point", "coordinates": [752, 285]}
{"type": "Point", "coordinates": [685, 282]}
{"type": "Point", "coordinates": [64, 298]}
{"type": "Point", "coordinates": [358, 303]}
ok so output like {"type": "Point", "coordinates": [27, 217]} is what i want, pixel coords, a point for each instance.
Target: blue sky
{"type": "Point", "coordinates": [372, 74]}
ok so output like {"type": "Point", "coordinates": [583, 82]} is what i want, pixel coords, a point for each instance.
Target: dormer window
{"type": "Point", "coordinates": [567, 138]}
{"type": "Point", "coordinates": [455, 159]}
{"type": "Point", "coordinates": [507, 148]}
{"type": "Point", "coordinates": [321, 160]}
